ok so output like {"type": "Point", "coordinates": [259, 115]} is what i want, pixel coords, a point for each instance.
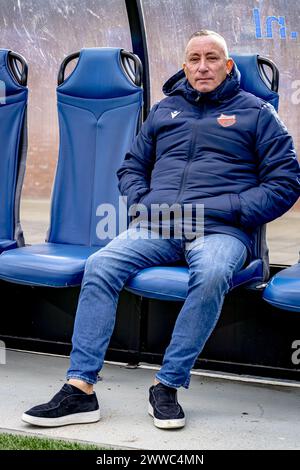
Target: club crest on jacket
{"type": "Point", "coordinates": [226, 121]}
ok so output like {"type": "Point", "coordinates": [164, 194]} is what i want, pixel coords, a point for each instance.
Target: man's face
{"type": "Point", "coordinates": [206, 65]}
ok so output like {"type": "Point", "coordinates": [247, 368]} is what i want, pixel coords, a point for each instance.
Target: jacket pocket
{"type": "Point", "coordinates": [220, 209]}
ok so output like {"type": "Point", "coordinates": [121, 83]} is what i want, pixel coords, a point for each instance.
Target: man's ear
{"type": "Point", "coordinates": [229, 65]}
{"type": "Point", "coordinates": [184, 68]}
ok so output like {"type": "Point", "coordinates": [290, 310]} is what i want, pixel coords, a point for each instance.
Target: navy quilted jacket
{"type": "Point", "coordinates": [226, 149]}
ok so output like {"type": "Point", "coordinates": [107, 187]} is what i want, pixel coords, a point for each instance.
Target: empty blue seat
{"type": "Point", "coordinates": [48, 264]}
{"type": "Point", "coordinates": [283, 290]}
{"type": "Point", "coordinates": [99, 106]}
{"type": "Point", "coordinates": [13, 143]}
{"type": "Point", "coordinates": [171, 282]}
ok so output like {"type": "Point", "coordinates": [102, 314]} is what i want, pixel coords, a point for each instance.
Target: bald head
{"type": "Point", "coordinates": [213, 36]}
{"type": "Point", "coordinates": [206, 61]}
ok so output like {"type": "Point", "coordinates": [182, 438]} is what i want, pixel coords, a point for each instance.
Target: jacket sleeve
{"type": "Point", "coordinates": [135, 173]}
{"type": "Point", "coordinates": [278, 171]}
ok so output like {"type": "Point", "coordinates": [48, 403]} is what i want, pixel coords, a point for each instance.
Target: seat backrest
{"type": "Point", "coordinates": [13, 141]}
{"type": "Point", "coordinates": [99, 108]}
{"type": "Point", "coordinates": [259, 76]}
{"type": "Point", "coordinates": [256, 80]}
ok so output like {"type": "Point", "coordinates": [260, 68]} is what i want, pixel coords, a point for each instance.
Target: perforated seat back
{"type": "Point", "coordinates": [99, 108]}
{"type": "Point", "coordinates": [256, 80]}
{"type": "Point", "coordinates": [13, 144]}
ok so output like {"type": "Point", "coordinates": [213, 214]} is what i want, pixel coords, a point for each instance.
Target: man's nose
{"type": "Point", "coordinates": [202, 66]}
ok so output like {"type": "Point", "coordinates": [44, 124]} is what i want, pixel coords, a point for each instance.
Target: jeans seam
{"type": "Point", "coordinates": [231, 277]}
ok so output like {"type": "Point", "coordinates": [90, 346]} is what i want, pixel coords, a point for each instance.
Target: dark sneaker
{"type": "Point", "coordinates": [69, 406]}
{"type": "Point", "coordinates": [164, 407]}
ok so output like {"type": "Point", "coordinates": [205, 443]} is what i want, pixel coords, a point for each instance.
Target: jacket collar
{"type": "Point", "coordinates": [179, 85]}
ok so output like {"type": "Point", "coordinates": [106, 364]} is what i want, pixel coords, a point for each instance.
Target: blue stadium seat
{"type": "Point", "coordinates": [13, 142]}
{"type": "Point", "coordinates": [99, 108]}
{"type": "Point", "coordinates": [283, 290]}
{"type": "Point", "coordinates": [171, 282]}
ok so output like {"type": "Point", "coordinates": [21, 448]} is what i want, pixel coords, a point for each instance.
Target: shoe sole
{"type": "Point", "coordinates": [76, 418]}
{"type": "Point", "coordinates": [166, 423]}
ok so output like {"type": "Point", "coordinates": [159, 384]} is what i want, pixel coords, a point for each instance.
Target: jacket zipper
{"type": "Point", "coordinates": [189, 159]}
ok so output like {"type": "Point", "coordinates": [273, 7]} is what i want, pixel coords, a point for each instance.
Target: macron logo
{"type": "Point", "coordinates": [175, 113]}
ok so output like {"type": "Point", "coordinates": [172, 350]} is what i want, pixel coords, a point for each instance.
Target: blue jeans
{"type": "Point", "coordinates": [212, 261]}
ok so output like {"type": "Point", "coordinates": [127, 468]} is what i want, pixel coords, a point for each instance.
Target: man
{"type": "Point", "coordinates": [211, 143]}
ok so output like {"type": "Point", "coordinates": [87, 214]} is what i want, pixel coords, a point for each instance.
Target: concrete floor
{"type": "Point", "coordinates": [283, 234]}
{"type": "Point", "coordinates": [222, 413]}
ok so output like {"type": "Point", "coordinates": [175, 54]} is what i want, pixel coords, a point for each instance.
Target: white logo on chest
{"type": "Point", "coordinates": [175, 113]}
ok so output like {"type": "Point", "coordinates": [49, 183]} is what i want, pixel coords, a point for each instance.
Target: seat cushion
{"type": "Point", "coordinates": [283, 290]}
{"type": "Point", "coordinates": [7, 245]}
{"type": "Point", "coordinates": [47, 264]}
{"type": "Point", "coordinates": [171, 282]}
